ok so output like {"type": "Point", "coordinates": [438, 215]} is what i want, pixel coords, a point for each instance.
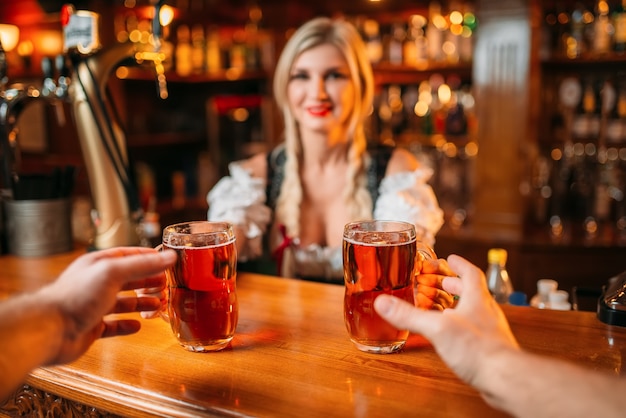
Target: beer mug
{"type": "Point", "coordinates": [202, 306]}
{"type": "Point", "coordinates": [379, 257]}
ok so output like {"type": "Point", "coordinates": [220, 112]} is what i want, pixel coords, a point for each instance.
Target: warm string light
{"type": "Point", "coordinates": [9, 36]}
{"type": "Point", "coordinates": [166, 15]}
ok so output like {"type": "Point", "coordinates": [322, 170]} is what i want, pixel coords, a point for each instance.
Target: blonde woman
{"type": "Point", "coordinates": [294, 202]}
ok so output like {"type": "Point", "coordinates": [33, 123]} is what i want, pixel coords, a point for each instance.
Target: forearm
{"type": "Point", "coordinates": [31, 331]}
{"type": "Point", "coordinates": [528, 385]}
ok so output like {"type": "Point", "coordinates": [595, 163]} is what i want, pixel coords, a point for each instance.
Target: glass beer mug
{"type": "Point", "coordinates": [379, 257]}
{"type": "Point", "coordinates": [202, 306]}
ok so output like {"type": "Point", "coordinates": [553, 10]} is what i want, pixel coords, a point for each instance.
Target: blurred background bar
{"type": "Point", "coordinates": [518, 105]}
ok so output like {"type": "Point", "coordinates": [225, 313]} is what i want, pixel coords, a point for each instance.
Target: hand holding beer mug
{"type": "Point", "coordinates": [378, 257]}
{"type": "Point", "coordinates": [202, 306]}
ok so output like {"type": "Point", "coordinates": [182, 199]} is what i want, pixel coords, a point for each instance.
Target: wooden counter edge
{"type": "Point", "coordinates": [63, 393]}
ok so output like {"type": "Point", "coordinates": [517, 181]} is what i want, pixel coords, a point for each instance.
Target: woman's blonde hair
{"type": "Point", "coordinates": [344, 36]}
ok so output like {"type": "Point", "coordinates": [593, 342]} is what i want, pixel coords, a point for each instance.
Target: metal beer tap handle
{"type": "Point", "coordinates": [157, 59]}
{"type": "Point", "coordinates": [117, 214]}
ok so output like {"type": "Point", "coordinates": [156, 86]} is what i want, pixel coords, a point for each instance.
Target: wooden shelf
{"type": "Point", "coordinates": [166, 138]}
{"type": "Point", "coordinates": [585, 61]}
{"type": "Point", "coordinates": [385, 73]}
{"type": "Point", "coordinates": [144, 74]}
{"type": "Point", "coordinates": [408, 138]}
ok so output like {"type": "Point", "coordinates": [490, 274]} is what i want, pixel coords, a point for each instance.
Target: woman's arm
{"type": "Point", "coordinates": [239, 198]}
{"type": "Point", "coordinates": [401, 160]}
{"type": "Point", "coordinates": [405, 195]}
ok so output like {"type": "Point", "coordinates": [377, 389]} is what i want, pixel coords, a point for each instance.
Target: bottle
{"type": "Point", "coordinates": [395, 54]}
{"type": "Point", "coordinates": [614, 122]}
{"type": "Point", "coordinates": [576, 45]}
{"type": "Point", "coordinates": [562, 32]}
{"type": "Point", "coordinates": [213, 52]}
{"type": "Point", "coordinates": [601, 33]}
{"type": "Point", "coordinates": [252, 35]}
{"type": "Point", "coordinates": [604, 168]}
{"type": "Point", "coordinates": [237, 52]}
{"type": "Point", "coordinates": [498, 281]}
{"type": "Point", "coordinates": [373, 41]}
{"type": "Point", "coordinates": [549, 36]}
{"type": "Point", "coordinates": [434, 32]}
{"type": "Point", "coordinates": [409, 47]}
{"type": "Point", "coordinates": [183, 51]}
{"type": "Point", "coordinates": [621, 107]}
{"type": "Point", "coordinates": [619, 27]}
{"type": "Point", "coordinates": [456, 122]}
{"type": "Point", "coordinates": [197, 54]}
{"type": "Point", "coordinates": [581, 121]}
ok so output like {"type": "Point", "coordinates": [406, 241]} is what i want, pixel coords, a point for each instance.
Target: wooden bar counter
{"type": "Point", "coordinates": [291, 356]}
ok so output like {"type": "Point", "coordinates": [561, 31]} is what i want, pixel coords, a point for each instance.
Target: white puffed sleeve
{"type": "Point", "coordinates": [240, 199]}
{"type": "Point", "coordinates": [408, 197]}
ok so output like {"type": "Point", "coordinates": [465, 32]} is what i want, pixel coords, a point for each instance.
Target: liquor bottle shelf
{"type": "Point", "coordinates": [172, 77]}
{"type": "Point", "coordinates": [385, 73]}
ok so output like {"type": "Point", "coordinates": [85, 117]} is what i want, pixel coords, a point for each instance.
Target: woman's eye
{"type": "Point", "coordinates": [298, 76]}
{"type": "Point", "coordinates": [336, 75]}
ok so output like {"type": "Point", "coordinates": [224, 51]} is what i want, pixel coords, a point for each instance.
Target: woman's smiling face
{"type": "Point", "coordinates": [321, 91]}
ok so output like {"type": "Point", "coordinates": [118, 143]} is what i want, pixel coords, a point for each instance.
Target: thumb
{"type": "Point", "coordinates": [404, 315]}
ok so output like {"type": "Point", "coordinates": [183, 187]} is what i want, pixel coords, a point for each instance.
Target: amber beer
{"type": "Point", "coordinates": [202, 299]}
{"type": "Point", "coordinates": [379, 257]}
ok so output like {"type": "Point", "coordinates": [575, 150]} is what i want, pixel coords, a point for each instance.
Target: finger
{"type": "Point", "coordinates": [474, 283]}
{"type": "Point", "coordinates": [111, 253]}
{"type": "Point", "coordinates": [153, 282]}
{"type": "Point", "coordinates": [117, 252]}
{"type": "Point", "coordinates": [150, 314]}
{"type": "Point", "coordinates": [158, 291]}
{"type": "Point", "coordinates": [437, 296]}
{"type": "Point", "coordinates": [133, 304]}
{"type": "Point", "coordinates": [433, 293]}
{"type": "Point", "coordinates": [161, 295]}
{"type": "Point", "coordinates": [108, 253]}
{"type": "Point", "coordinates": [452, 285]}
{"type": "Point", "coordinates": [439, 266]}
{"type": "Point", "coordinates": [117, 327]}
{"type": "Point", "coordinates": [403, 315]}
{"type": "Point", "coordinates": [424, 302]}
{"type": "Point", "coordinates": [432, 280]}
{"type": "Point", "coordinates": [137, 267]}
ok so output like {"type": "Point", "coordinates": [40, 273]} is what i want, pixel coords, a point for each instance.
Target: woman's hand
{"type": "Point", "coordinates": [430, 292]}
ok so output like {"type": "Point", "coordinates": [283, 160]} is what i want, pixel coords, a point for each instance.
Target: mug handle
{"type": "Point", "coordinates": [162, 312]}
{"type": "Point", "coordinates": [425, 252]}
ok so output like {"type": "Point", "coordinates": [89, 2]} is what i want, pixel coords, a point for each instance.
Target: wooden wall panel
{"type": "Point", "coordinates": [501, 64]}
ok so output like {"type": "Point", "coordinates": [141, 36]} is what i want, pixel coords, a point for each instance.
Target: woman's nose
{"type": "Point", "coordinates": [319, 86]}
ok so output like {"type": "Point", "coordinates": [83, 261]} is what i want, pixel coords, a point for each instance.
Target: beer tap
{"type": "Point", "coordinates": [117, 212]}
{"type": "Point", "coordinates": [14, 99]}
